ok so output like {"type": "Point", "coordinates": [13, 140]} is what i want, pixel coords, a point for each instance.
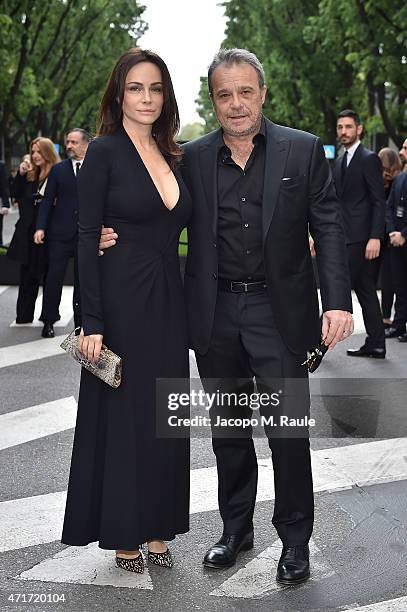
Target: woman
{"type": "Point", "coordinates": [391, 167]}
{"type": "Point", "coordinates": [127, 486]}
{"type": "Point", "coordinates": [28, 189]}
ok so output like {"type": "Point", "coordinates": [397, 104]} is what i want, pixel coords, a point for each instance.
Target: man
{"type": "Point", "coordinates": [4, 197]}
{"type": "Point", "coordinates": [403, 154]}
{"type": "Point", "coordinates": [58, 223]}
{"type": "Point", "coordinates": [252, 305]}
{"type": "Point", "coordinates": [396, 227]}
{"type": "Point", "coordinates": [359, 185]}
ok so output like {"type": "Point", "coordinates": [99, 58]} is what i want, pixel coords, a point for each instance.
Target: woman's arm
{"type": "Point", "coordinates": [92, 187]}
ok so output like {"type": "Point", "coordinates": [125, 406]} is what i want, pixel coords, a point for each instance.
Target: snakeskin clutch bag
{"type": "Point", "coordinates": [109, 366]}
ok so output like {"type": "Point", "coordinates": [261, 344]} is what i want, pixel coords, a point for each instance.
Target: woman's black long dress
{"type": "Point", "coordinates": [31, 256]}
{"type": "Point", "coordinates": [126, 485]}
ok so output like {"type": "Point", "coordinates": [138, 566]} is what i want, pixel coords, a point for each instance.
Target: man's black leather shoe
{"type": "Point", "coordinates": [293, 567]}
{"type": "Point", "coordinates": [402, 338]}
{"type": "Point", "coordinates": [48, 331]}
{"type": "Point", "coordinates": [377, 353]}
{"type": "Point", "coordinates": [394, 332]}
{"type": "Point", "coordinates": [224, 553]}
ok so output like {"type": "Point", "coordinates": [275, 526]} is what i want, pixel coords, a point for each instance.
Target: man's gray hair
{"type": "Point", "coordinates": [235, 56]}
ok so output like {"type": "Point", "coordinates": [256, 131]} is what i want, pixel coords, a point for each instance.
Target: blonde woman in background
{"type": "Point", "coordinates": [28, 188]}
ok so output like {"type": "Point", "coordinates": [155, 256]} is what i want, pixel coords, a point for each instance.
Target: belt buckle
{"type": "Point", "coordinates": [236, 283]}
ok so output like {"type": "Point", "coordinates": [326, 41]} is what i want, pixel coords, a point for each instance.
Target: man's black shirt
{"type": "Point", "coordinates": [240, 195]}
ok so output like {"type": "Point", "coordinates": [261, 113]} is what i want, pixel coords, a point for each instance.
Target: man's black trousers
{"type": "Point", "coordinates": [399, 273]}
{"type": "Point", "coordinates": [245, 344]}
{"type": "Point", "coordinates": [364, 275]}
{"type": "Point", "coordinates": [59, 253]}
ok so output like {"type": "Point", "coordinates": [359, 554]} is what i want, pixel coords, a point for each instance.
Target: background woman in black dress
{"type": "Point", "coordinates": [127, 486]}
{"type": "Point", "coordinates": [28, 188]}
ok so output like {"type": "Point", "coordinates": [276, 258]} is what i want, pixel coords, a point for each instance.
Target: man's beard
{"type": "Point", "coordinates": [252, 129]}
{"type": "Point", "coordinates": [71, 155]}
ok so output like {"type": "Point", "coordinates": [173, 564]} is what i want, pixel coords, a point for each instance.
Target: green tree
{"type": "Point", "coordinates": [55, 58]}
{"type": "Point", "coordinates": [205, 108]}
{"type": "Point", "coordinates": [190, 131]}
{"type": "Point", "coordinates": [324, 55]}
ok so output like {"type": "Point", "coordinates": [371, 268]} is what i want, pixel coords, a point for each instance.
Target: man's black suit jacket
{"type": "Point", "coordinates": [361, 195]}
{"type": "Point", "coordinates": [60, 222]}
{"type": "Point", "coordinates": [305, 198]}
{"type": "Point", "coordinates": [396, 206]}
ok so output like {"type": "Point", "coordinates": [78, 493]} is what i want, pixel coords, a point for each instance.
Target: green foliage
{"type": "Point", "coordinates": [324, 55]}
{"type": "Point", "coordinates": [205, 108]}
{"type": "Point", "coordinates": [55, 58]}
{"type": "Point", "coordinates": [183, 243]}
{"type": "Point", "coordinates": [190, 131]}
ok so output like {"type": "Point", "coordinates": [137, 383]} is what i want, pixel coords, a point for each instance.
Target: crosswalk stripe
{"type": "Point", "coordinates": [256, 578]}
{"type": "Point", "coordinates": [36, 422]}
{"type": "Point", "coordinates": [86, 565]}
{"type": "Point", "coordinates": [65, 310]}
{"type": "Point", "coordinates": [31, 520]}
{"type": "Point", "coordinates": [3, 288]}
{"type": "Point", "coordinates": [30, 351]}
{"type": "Point", "coordinates": [333, 469]}
{"type": "Point", "coordinates": [36, 520]}
{"type": "Point", "coordinates": [391, 605]}
{"type": "Point", "coordinates": [40, 349]}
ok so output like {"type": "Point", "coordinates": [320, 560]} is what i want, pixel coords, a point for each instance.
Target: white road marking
{"type": "Point", "coordinates": [65, 310]}
{"type": "Point", "coordinates": [30, 351]}
{"type": "Point", "coordinates": [256, 578]}
{"type": "Point", "coordinates": [86, 565]}
{"type": "Point", "coordinates": [3, 288]}
{"type": "Point", "coordinates": [40, 349]}
{"type": "Point", "coordinates": [31, 520]}
{"type": "Point", "coordinates": [36, 422]}
{"type": "Point", "coordinates": [38, 519]}
{"type": "Point", "coordinates": [391, 605]}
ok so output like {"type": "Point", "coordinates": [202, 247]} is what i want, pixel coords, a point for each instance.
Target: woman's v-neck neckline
{"type": "Point", "coordinates": [150, 177]}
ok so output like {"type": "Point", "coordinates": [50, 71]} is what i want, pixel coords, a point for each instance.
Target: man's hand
{"type": "Point", "coordinates": [336, 326]}
{"type": "Point", "coordinates": [372, 248]}
{"type": "Point", "coordinates": [39, 237]}
{"type": "Point", "coordinates": [108, 238]}
{"type": "Point", "coordinates": [90, 346]}
{"type": "Point", "coordinates": [4, 211]}
{"type": "Point", "coordinates": [312, 247]}
{"type": "Point", "coordinates": [397, 239]}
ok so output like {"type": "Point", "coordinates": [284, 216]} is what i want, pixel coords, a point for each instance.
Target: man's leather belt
{"type": "Point", "coordinates": [241, 286]}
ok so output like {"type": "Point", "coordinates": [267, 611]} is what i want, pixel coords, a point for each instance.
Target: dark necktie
{"type": "Point", "coordinates": [77, 168]}
{"type": "Point", "coordinates": [344, 165]}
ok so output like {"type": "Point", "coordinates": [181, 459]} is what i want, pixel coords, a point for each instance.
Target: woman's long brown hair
{"type": "Point", "coordinates": [391, 165]}
{"type": "Point", "coordinates": [47, 150]}
{"type": "Point", "coordinates": [110, 113]}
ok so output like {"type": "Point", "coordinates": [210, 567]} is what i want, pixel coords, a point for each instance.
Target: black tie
{"type": "Point", "coordinates": [77, 168]}
{"type": "Point", "coordinates": [344, 164]}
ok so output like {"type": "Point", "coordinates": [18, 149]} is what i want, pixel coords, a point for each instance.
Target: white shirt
{"type": "Point", "coordinates": [74, 162]}
{"type": "Point", "coordinates": [351, 151]}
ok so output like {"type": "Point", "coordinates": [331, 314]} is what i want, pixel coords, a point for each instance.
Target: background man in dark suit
{"type": "Point", "coordinates": [252, 304]}
{"type": "Point", "coordinates": [58, 221]}
{"type": "Point", "coordinates": [4, 197]}
{"type": "Point", "coordinates": [359, 185]}
{"type": "Point", "coordinates": [396, 227]}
